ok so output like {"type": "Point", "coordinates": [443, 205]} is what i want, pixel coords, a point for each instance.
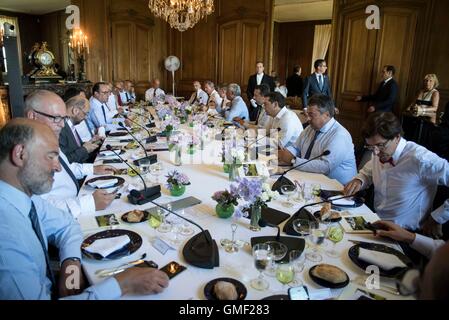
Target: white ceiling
{"type": "Point", "coordinates": [33, 6]}
{"type": "Point", "coordinates": [302, 10]}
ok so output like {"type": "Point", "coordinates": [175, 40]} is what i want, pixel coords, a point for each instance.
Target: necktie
{"type": "Point", "coordinates": [312, 143]}
{"type": "Point", "coordinates": [127, 96]}
{"type": "Point", "coordinates": [37, 230]}
{"type": "Point", "coordinates": [390, 161]}
{"type": "Point", "coordinates": [70, 173]}
{"type": "Point", "coordinates": [77, 137]}
{"type": "Point", "coordinates": [320, 82]}
{"type": "Point", "coordinates": [92, 132]}
{"type": "Point", "coordinates": [104, 114]}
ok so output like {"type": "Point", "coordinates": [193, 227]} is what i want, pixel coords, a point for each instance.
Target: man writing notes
{"type": "Point", "coordinates": [255, 80]}
{"type": "Point", "coordinates": [405, 177]}
{"type": "Point", "coordinates": [48, 108]}
{"type": "Point", "coordinates": [28, 161]}
{"type": "Point", "coordinates": [324, 133]}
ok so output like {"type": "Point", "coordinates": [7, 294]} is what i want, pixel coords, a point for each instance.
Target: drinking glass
{"type": "Point", "coordinates": [301, 226]}
{"type": "Point", "coordinates": [288, 190]}
{"type": "Point", "coordinates": [335, 233]}
{"type": "Point", "coordinates": [297, 260]}
{"type": "Point", "coordinates": [186, 229]}
{"type": "Point", "coordinates": [144, 166]}
{"type": "Point", "coordinates": [165, 226]}
{"type": "Point", "coordinates": [308, 193]}
{"type": "Point", "coordinates": [285, 274]}
{"type": "Point", "coordinates": [261, 255]}
{"type": "Point", "coordinates": [316, 189]}
{"type": "Point", "coordinates": [156, 170]}
{"type": "Point", "coordinates": [316, 237]}
{"type": "Point", "coordinates": [278, 252]}
{"type": "Point", "coordinates": [176, 229]}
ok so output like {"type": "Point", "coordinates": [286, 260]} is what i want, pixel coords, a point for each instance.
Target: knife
{"type": "Point", "coordinates": [112, 271]}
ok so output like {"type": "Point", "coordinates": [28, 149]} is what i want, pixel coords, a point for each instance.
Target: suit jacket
{"type": "Point", "coordinates": [312, 87]}
{"type": "Point", "coordinates": [252, 83]}
{"type": "Point", "coordinates": [385, 96]}
{"type": "Point", "coordinates": [70, 148]}
{"type": "Point", "coordinates": [295, 86]}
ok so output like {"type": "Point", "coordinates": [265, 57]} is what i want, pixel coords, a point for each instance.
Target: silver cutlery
{"type": "Point", "coordinates": [113, 271]}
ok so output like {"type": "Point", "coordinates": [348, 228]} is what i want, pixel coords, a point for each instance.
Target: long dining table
{"type": "Point", "coordinates": [207, 178]}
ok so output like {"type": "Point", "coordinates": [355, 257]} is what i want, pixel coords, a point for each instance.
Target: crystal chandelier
{"type": "Point", "coordinates": [181, 14]}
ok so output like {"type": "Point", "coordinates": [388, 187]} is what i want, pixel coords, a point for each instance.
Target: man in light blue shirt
{"type": "Point", "coordinates": [238, 106]}
{"type": "Point", "coordinates": [324, 133]}
{"type": "Point", "coordinates": [29, 154]}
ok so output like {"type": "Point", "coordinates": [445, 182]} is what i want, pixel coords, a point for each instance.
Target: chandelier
{"type": "Point", "coordinates": [181, 14]}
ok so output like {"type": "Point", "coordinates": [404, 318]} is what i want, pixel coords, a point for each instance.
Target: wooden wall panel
{"type": "Point", "coordinates": [122, 43]}
{"type": "Point", "coordinates": [252, 50]}
{"type": "Point", "coordinates": [143, 65]}
{"type": "Point", "coordinates": [229, 59]}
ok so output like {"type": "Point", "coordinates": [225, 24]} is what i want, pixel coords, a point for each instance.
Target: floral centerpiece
{"type": "Point", "coordinates": [226, 200]}
{"type": "Point", "coordinates": [256, 193]}
{"type": "Point", "coordinates": [200, 118]}
{"type": "Point", "coordinates": [163, 111]}
{"type": "Point", "coordinates": [233, 157]}
{"type": "Point", "coordinates": [176, 183]}
{"type": "Point", "coordinates": [158, 100]}
{"type": "Point", "coordinates": [171, 101]}
{"type": "Point", "coordinates": [192, 142]}
{"type": "Point", "coordinates": [175, 144]}
{"type": "Point", "coordinates": [169, 124]}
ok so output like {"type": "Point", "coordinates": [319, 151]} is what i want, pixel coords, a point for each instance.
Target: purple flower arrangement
{"type": "Point", "coordinates": [175, 178]}
{"type": "Point", "coordinates": [200, 118]}
{"type": "Point", "coordinates": [170, 123]}
{"type": "Point", "coordinates": [226, 198]}
{"type": "Point", "coordinates": [163, 111]}
{"type": "Point", "coordinates": [254, 191]}
{"type": "Point", "coordinates": [171, 101]}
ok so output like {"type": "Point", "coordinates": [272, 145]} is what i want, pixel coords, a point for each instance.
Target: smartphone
{"type": "Point", "coordinates": [298, 293]}
{"type": "Point", "coordinates": [147, 264]}
{"type": "Point", "coordinates": [109, 161]}
{"type": "Point", "coordinates": [173, 269]}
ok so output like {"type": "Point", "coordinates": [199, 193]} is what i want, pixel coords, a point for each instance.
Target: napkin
{"type": "Point", "coordinates": [342, 202]}
{"type": "Point", "coordinates": [385, 261]}
{"type": "Point", "coordinates": [108, 153]}
{"type": "Point", "coordinates": [105, 247]}
{"type": "Point", "coordinates": [100, 184]}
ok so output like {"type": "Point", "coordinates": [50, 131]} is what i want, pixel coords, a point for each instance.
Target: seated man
{"type": "Point", "coordinates": [155, 91]}
{"type": "Point", "coordinates": [70, 140]}
{"type": "Point", "coordinates": [238, 106]}
{"type": "Point", "coordinates": [214, 98]}
{"type": "Point", "coordinates": [263, 120]}
{"type": "Point", "coordinates": [284, 119]}
{"type": "Point", "coordinates": [100, 115]}
{"type": "Point", "coordinates": [128, 96]}
{"type": "Point", "coordinates": [405, 176]}
{"type": "Point", "coordinates": [199, 97]}
{"type": "Point", "coordinates": [28, 161]}
{"type": "Point", "coordinates": [323, 134]}
{"type": "Point", "coordinates": [225, 103]}
{"type": "Point", "coordinates": [48, 108]}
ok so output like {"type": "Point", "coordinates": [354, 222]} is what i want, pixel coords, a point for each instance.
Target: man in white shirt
{"type": "Point", "coordinates": [278, 88]}
{"type": "Point", "coordinates": [48, 108]}
{"type": "Point", "coordinates": [112, 100]}
{"type": "Point", "coordinates": [198, 97]}
{"type": "Point", "coordinates": [284, 119]}
{"type": "Point", "coordinates": [100, 115]}
{"type": "Point", "coordinates": [225, 103]}
{"type": "Point", "coordinates": [155, 91]}
{"type": "Point", "coordinates": [263, 120]}
{"type": "Point", "coordinates": [405, 177]}
{"type": "Point", "coordinates": [214, 98]}
{"type": "Point", "coordinates": [128, 96]}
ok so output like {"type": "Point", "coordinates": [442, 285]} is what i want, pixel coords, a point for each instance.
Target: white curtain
{"type": "Point", "coordinates": [321, 42]}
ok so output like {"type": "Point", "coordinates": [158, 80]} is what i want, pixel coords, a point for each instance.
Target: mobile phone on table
{"type": "Point", "coordinates": [298, 293]}
{"type": "Point", "coordinates": [109, 161]}
{"type": "Point", "coordinates": [173, 269]}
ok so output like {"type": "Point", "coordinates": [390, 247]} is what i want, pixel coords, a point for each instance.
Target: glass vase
{"type": "Point", "coordinates": [177, 156]}
{"type": "Point", "coordinates": [177, 190]}
{"type": "Point", "coordinates": [233, 173]}
{"type": "Point", "coordinates": [224, 211]}
{"type": "Point", "coordinates": [256, 215]}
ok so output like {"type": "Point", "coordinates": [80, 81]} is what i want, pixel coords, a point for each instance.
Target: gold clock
{"type": "Point", "coordinates": [44, 59]}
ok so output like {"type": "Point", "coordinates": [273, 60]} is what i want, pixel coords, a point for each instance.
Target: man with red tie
{"type": "Point", "coordinates": [405, 176]}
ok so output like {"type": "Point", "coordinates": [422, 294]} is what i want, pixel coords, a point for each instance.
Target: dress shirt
{"type": "Point", "coordinates": [221, 107]}
{"type": "Point", "coordinates": [75, 133]}
{"type": "Point", "coordinates": [282, 90]}
{"type": "Point", "coordinates": [199, 97]}
{"type": "Point", "coordinates": [23, 269]}
{"type": "Point", "coordinates": [127, 97]}
{"type": "Point", "coordinates": [264, 120]}
{"type": "Point", "coordinates": [96, 115]}
{"type": "Point", "coordinates": [215, 97]}
{"type": "Point", "coordinates": [238, 109]}
{"type": "Point", "coordinates": [150, 93]}
{"type": "Point", "coordinates": [259, 78]}
{"type": "Point", "coordinates": [290, 127]}
{"type": "Point", "coordinates": [339, 164]}
{"type": "Point", "coordinates": [425, 245]}
{"type": "Point", "coordinates": [64, 194]}
{"type": "Point", "coordinates": [404, 193]}
{"type": "Point", "coordinates": [112, 103]}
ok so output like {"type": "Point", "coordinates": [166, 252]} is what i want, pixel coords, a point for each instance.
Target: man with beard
{"type": "Point", "coordinates": [29, 154]}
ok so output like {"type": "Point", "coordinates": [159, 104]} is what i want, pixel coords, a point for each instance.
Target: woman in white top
{"type": "Point", "coordinates": [428, 97]}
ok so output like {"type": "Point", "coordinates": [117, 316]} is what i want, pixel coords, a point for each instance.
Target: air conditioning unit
{"type": "Point", "coordinates": [9, 30]}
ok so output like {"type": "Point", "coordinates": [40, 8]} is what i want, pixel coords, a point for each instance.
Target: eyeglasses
{"type": "Point", "coordinates": [56, 119]}
{"type": "Point", "coordinates": [379, 146]}
{"type": "Point", "coordinates": [105, 92]}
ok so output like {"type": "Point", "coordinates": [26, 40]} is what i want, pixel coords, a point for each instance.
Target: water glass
{"type": "Point", "coordinates": [316, 237]}
{"type": "Point", "coordinates": [261, 255]}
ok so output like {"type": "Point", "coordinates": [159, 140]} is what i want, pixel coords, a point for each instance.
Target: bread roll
{"type": "Point", "coordinates": [329, 273]}
{"type": "Point", "coordinates": [225, 291]}
{"type": "Point", "coordinates": [325, 211]}
{"type": "Point", "coordinates": [135, 216]}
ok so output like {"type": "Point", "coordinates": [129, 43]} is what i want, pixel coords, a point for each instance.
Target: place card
{"type": "Point", "coordinates": [161, 246]}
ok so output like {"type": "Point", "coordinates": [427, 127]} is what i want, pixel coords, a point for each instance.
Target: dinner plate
{"type": "Point", "coordinates": [328, 284]}
{"type": "Point", "coordinates": [317, 214]}
{"type": "Point", "coordinates": [277, 297]}
{"type": "Point", "coordinates": [124, 217]}
{"type": "Point", "coordinates": [120, 181]}
{"type": "Point", "coordinates": [209, 288]}
{"type": "Point", "coordinates": [118, 134]}
{"type": "Point", "coordinates": [354, 256]}
{"type": "Point", "coordinates": [134, 244]}
{"type": "Point", "coordinates": [358, 201]}
{"type": "Point", "coordinates": [119, 151]}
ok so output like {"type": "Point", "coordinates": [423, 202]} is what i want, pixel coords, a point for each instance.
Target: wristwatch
{"type": "Point", "coordinates": [293, 161]}
{"type": "Point", "coordinates": [72, 259]}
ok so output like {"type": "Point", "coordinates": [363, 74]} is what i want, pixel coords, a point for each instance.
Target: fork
{"type": "Point", "coordinates": [112, 271]}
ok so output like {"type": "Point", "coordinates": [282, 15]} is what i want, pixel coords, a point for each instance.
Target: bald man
{"type": "Point", "coordinates": [69, 140]}
{"type": "Point", "coordinates": [28, 164]}
{"type": "Point", "coordinates": [155, 91]}
{"type": "Point", "coordinates": [199, 96]}
{"type": "Point", "coordinates": [48, 108]}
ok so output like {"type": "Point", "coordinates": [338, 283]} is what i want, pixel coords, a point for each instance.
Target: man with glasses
{"type": "Point", "coordinates": [70, 141]}
{"type": "Point", "coordinates": [317, 83]}
{"type": "Point", "coordinates": [100, 115]}
{"type": "Point", "coordinates": [405, 177]}
{"type": "Point", "coordinates": [324, 133]}
{"type": "Point", "coordinates": [48, 108]}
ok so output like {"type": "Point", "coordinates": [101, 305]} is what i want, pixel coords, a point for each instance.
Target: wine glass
{"type": "Point", "coordinates": [316, 189]}
{"type": "Point", "coordinates": [285, 274]}
{"type": "Point", "coordinates": [176, 229]}
{"type": "Point", "coordinates": [288, 190]}
{"type": "Point", "coordinates": [144, 165]}
{"type": "Point", "coordinates": [335, 233]}
{"type": "Point", "coordinates": [301, 226]}
{"type": "Point", "coordinates": [297, 260]}
{"type": "Point", "coordinates": [316, 237]}
{"type": "Point", "coordinates": [156, 170]}
{"type": "Point", "coordinates": [261, 255]}
{"type": "Point", "coordinates": [308, 193]}
{"type": "Point", "coordinates": [165, 226]}
{"type": "Point", "coordinates": [186, 229]}
{"type": "Point", "coordinates": [278, 252]}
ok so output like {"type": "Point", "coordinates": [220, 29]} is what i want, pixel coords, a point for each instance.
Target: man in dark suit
{"type": "Point", "coordinates": [69, 140]}
{"type": "Point", "coordinates": [317, 82]}
{"type": "Point", "coordinates": [256, 80]}
{"type": "Point", "coordinates": [295, 83]}
{"type": "Point", "coordinates": [386, 95]}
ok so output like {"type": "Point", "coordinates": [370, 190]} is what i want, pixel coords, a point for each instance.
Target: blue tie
{"type": "Point", "coordinates": [104, 114]}
{"type": "Point", "coordinates": [37, 230]}
{"type": "Point", "coordinates": [320, 82]}
{"type": "Point", "coordinates": [312, 143]}
{"type": "Point", "coordinates": [70, 173]}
